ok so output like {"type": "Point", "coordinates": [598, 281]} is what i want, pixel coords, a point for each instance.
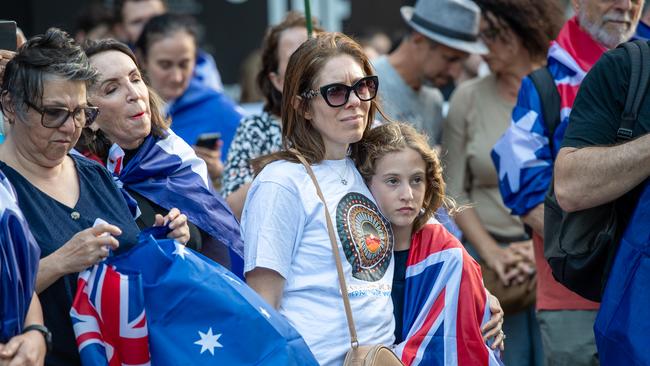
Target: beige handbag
{"type": "Point", "coordinates": [377, 355]}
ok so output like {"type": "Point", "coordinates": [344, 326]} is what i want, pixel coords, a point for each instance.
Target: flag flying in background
{"type": "Point", "coordinates": [19, 256]}
{"type": "Point", "coordinates": [165, 301]}
{"type": "Point", "coordinates": [168, 172]}
{"type": "Point", "coordinates": [622, 326]}
{"type": "Point", "coordinates": [445, 304]}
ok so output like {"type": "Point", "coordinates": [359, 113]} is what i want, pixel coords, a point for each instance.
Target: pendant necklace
{"type": "Point", "coordinates": [345, 171]}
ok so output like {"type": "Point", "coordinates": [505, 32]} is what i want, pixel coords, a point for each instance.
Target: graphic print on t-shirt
{"type": "Point", "coordinates": [366, 237]}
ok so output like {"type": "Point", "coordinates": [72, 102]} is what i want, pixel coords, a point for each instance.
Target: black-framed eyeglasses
{"type": "Point", "coordinates": [55, 117]}
{"type": "Point", "coordinates": [337, 94]}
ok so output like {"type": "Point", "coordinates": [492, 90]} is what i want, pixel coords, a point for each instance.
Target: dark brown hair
{"type": "Point", "coordinates": [535, 22]}
{"type": "Point", "coordinates": [270, 59]}
{"type": "Point", "coordinates": [302, 71]}
{"type": "Point", "coordinates": [96, 141]}
{"type": "Point", "coordinates": [394, 137]}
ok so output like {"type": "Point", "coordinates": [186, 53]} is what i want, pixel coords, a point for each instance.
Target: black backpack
{"type": "Point", "coordinates": [580, 246]}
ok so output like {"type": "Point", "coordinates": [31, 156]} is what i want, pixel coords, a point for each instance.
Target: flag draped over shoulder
{"type": "Point", "coordinates": [164, 304]}
{"type": "Point", "coordinates": [19, 256]}
{"type": "Point", "coordinates": [622, 326]}
{"type": "Point", "coordinates": [168, 172]}
{"type": "Point", "coordinates": [523, 156]}
{"type": "Point", "coordinates": [445, 304]}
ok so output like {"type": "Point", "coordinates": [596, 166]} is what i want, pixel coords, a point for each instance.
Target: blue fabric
{"type": "Point", "coordinates": [19, 255]}
{"type": "Point", "coordinates": [642, 31]}
{"type": "Point", "coordinates": [52, 225]}
{"type": "Point", "coordinates": [196, 313]}
{"type": "Point", "coordinates": [623, 323]}
{"type": "Point", "coordinates": [204, 110]}
{"type": "Point", "coordinates": [206, 72]}
{"type": "Point", "coordinates": [162, 171]}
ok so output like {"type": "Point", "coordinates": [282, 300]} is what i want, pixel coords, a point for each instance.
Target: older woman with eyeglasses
{"type": "Point", "coordinates": [75, 212]}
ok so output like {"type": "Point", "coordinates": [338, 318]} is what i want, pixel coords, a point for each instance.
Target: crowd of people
{"type": "Point", "coordinates": [358, 202]}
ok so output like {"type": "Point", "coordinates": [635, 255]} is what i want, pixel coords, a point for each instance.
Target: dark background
{"type": "Point", "coordinates": [232, 30]}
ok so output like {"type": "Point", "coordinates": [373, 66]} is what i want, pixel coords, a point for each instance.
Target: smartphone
{"type": "Point", "coordinates": [8, 35]}
{"type": "Point", "coordinates": [208, 140]}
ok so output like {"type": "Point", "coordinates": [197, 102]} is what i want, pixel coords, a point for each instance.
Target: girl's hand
{"type": "Point", "coordinates": [493, 328]}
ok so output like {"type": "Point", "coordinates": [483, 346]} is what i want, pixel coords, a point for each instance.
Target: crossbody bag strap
{"type": "Point", "coordinates": [335, 250]}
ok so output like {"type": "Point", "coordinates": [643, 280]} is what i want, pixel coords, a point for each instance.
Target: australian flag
{"type": "Point", "coordinates": [445, 304]}
{"type": "Point", "coordinates": [19, 256]}
{"type": "Point", "coordinates": [622, 326]}
{"type": "Point", "coordinates": [523, 156]}
{"type": "Point", "coordinates": [168, 172]}
{"type": "Point", "coordinates": [164, 304]}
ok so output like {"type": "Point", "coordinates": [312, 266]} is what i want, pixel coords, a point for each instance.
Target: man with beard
{"type": "Point", "coordinates": [442, 34]}
{"type": "Point", "coordinates": [524, 158]}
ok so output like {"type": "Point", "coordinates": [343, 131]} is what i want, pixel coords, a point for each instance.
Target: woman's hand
{"type": "Point", "coordinates": [493, 328]}
{"type": "Point", "coordinates": [212, 158]}
{"type": "Point", "coordinates": [177, 221]}
{"type": "Point", "coordinates": [25, 349]}
{"type": "Point", "coordinates": [526, 264]}
{"type": "Point", "coordinates": [87, 247]}
{"type": "Point", "coordinates": [503, 261]}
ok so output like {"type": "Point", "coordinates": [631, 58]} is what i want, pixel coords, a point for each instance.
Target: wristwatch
{"type": "Point", "coordinates": [44, 331]}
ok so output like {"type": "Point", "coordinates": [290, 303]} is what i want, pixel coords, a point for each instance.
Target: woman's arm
{"type": "Point", "coordinates": [267, 283]}
{"type": "Point", "coordinates": [83, 250]}
{"type": "Point", "coordinates": [237, 199]}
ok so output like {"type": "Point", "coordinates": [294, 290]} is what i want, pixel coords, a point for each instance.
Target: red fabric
{"type": "Point", "coordinates": [471, 300]}
{"type": "Point", "coordinates": [552, 295]}
{"type": "Point", "coordinates": [579, 44]}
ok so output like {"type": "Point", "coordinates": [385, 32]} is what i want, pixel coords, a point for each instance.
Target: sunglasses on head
{"type": "Point", "coordinates": [337, 94]}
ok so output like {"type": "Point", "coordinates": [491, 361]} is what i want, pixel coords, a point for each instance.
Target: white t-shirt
{"type": "Point", "coordinates": [284, 229]}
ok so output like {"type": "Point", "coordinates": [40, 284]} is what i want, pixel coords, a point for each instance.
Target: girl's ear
{"type": "Point", "coordinates": [297, 103]}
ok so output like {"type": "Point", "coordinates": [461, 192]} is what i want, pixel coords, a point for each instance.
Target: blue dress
{"type": "Point", "coordinates": [53, 224]}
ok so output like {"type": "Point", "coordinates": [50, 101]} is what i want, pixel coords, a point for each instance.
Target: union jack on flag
{"type": "Point", "coordinates": [445, 304]}
{"type": "Point", "coordinates": [109, 319]}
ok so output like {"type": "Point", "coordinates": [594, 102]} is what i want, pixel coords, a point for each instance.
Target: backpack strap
{"type": "Point", "coordinates": [639, 53]}
{"type": "Point", "coordinates": [550, 99]}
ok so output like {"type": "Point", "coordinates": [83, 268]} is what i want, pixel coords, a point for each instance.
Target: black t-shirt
{"type": "Point", "coordinates": [399, 287]}
{"type": "Point", "coordinates": [53, 224]}
{"type": "Point", "coordinates": [596, 114]}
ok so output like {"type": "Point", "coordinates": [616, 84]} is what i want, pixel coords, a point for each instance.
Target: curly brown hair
{"type": "Point", "coordinates": [394, 137]}
{"type": "Point", "coordinates": [270, 59]}
{"type": "Point", "coordinates": [535, 22]}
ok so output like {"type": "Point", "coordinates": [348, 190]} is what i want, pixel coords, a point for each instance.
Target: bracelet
{"type": "Point", "coordinates": [44, 331]}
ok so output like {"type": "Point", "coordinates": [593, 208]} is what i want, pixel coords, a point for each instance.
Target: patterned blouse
{"type": "Point", "coordinates": [256, 136]}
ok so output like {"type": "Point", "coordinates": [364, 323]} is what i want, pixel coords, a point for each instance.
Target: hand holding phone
{"type": "Point", "coordinates": [208, 140]}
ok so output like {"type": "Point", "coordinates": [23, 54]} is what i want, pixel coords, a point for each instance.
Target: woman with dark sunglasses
{"type": "Point", "coordinates": [61, 195]}
{"type": "Point", "coordinates": [327, 108]}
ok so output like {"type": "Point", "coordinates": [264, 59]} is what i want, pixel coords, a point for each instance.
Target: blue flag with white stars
{"type": "Point", "coordinates": [196, 313]}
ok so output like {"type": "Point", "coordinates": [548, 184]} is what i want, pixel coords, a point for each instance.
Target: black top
{"type": "Point", "coordinates": [596, 114]}
{"type": "Point", "coordinates": [53, 224]}
{"type": "Point", "coordinates": [399, 279]}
